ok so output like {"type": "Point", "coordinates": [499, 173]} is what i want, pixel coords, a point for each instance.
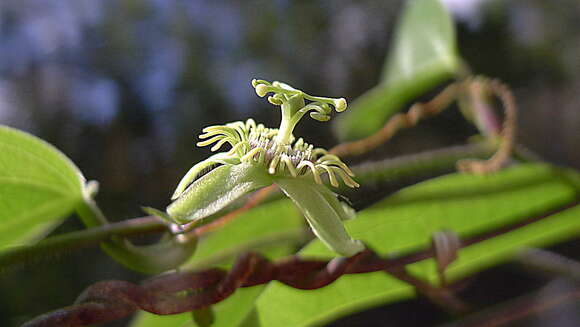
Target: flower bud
{"type": "Point", "coordinates": [261, 90]}
{"type": "Point", "coordinates": [340, 104]}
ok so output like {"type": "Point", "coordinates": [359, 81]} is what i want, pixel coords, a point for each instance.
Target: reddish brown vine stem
{"type": "Point", "coordinates": [187, 291]}
{"type": "Point", "coordinates": [419, 111]}
{"type": "Point", "coordinates": [508, 131]}
{"type": "Point", "coordinates": [416, 113]}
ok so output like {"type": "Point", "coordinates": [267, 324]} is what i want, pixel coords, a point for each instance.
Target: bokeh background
{"type": "Point", "coordinates": [124, 87]}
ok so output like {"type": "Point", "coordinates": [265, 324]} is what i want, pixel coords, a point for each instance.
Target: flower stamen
{"type": "Point", "coordinates": [251, 142]}
{"type": "Point", "coordinates": [277, 149]}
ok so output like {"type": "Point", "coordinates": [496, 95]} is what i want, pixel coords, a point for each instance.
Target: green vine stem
{"type": "Point", "coordinates": [428, 162]}
{"type": "Point", "coordinates": [167, 254]}
{"type": "Point", "coordinates": [57, 245]}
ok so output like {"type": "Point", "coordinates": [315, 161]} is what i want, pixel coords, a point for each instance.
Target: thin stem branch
{"type": "Point", "coordinates": [508, 132]}
{"type": "Point", "coordinates": [411, 118]}
{"type": "Point", "coordinates": [441, 296]}
{"type": "Point", "coordinates": [76, 240]}
{"type": "Point", "coordinates": [472, 89]}
{"type": "Point", "coordinates": [420, 163]}
{"type": "Point", "coordinates": [165, 255]}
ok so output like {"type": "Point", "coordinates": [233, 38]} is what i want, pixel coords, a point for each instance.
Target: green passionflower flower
{"type": "Point", "coordinates": [261, 156]}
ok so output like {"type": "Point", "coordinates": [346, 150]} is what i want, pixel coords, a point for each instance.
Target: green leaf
{"type": "Point", "coordinates": [264, 228]}
{"type": "Point", "coordinates": [269, 223]}
{"type": "Point", "coordinates": [204, 317]}
{"type": "Point", "coordinates": [217, 159]}
{"type": "Point", "coordinates": [405, 222]}
{"type": "Point", "coordinates": [38, 186]}
{"type": "Point", "coordinates": [146, 319]}
{"type": "Point", "coordinates": [424, 54]}
{"type": "Point", "coordinates": [216, 190]}
{"type": "Point", "coordinates": [424, 43]}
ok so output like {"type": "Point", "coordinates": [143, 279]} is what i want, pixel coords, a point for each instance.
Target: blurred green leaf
{"type": "Point", "coordinates": [405, 222]}
{"type": "Point", "coordinates": [146, 319]}
{"type": "Point", "coordinates": [424, 54]}
{"type": "Point", "coordinates": [270, 223]}
{"type": "Point", "coordinates": [38, 186]}
{"type": "Point", "coordinates": [424, 43]}
{"type": "Point", "coordinates": [270, 228]}
{"type": "Point", "coordinates": [204, 317]}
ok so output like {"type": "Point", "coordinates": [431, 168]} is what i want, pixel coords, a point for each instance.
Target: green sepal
{"type": "Point", "coordinates": [216, 190]}
{"type": "Point", "coordinates": [323, 212]}
{"type": "Point", "coordinates": [191, 175]}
